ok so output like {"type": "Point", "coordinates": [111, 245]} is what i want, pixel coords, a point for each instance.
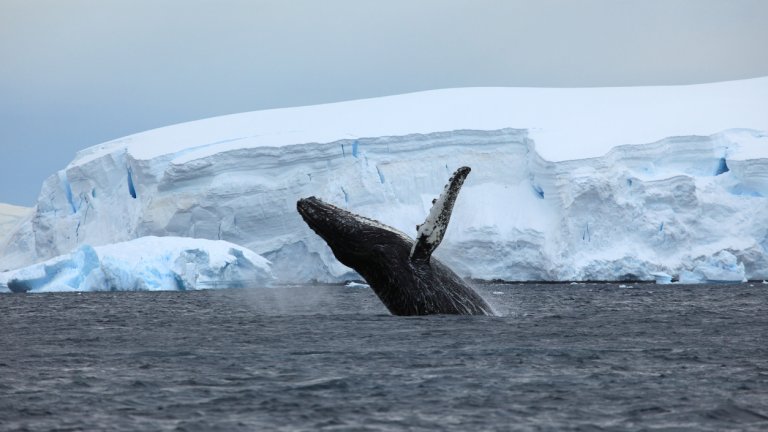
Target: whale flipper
{"type": "Point", "coordinates": [431, 232]}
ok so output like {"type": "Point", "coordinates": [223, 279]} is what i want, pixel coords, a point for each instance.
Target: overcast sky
{"type": "Point", "coordinates": [79, 72]}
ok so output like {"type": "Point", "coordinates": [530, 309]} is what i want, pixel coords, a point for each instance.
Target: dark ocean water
{"type": "Point", "coordinates": [563, 357]}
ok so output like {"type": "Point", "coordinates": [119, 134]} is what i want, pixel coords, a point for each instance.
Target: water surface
{"type": "Point", "coordinates": [563, 357]}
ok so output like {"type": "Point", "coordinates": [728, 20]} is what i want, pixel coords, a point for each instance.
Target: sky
{"type": "Point", "coordinates": [77, 73]}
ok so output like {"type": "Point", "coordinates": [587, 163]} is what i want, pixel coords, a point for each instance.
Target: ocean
{"type": "Point", "coordinates": [324, 357]}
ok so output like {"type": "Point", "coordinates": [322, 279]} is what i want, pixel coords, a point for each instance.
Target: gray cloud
{"type": "Point", "coordinates": [80, 72]}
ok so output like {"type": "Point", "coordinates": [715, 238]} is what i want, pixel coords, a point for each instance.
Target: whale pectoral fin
{"type": "Point", "coordinates": [431, 232]}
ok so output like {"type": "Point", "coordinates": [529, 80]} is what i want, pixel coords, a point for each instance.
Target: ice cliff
{"type": "Point", "coordinates": [687, 205]}
{"type": "Point", "coordinates": [10, 217]}
{"type": "Point", "coordinates": [146, 263]}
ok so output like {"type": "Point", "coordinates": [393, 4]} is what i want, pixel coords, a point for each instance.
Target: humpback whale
{"type": "Point", "coordinates": [400, 270]}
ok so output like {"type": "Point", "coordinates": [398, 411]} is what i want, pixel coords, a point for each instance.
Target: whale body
{"type": "Point", "coordinates": [400, 270]}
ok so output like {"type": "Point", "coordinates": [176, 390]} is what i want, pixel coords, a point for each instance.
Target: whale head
{"type": "Point", "coordinates": [356, 241]}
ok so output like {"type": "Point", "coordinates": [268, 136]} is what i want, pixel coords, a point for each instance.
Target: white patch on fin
{"type": "Point", "coordinates": [431, 232]}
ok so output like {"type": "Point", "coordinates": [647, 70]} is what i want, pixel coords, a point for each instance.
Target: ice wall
{"type": "Point", "coordinates": [668, 206]}
{"type": "Point", "coordinates": [10, 217]}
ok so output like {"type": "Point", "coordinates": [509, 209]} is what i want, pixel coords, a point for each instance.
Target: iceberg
{"type": "Point", "coordinates": [566, 184]}
{"type": "Point", "coordinates": [722, 267]}
{"type": "Point", "coordinates": [661, 278]}
{"type": "Point", "coordinates": [146, 263]}
{"type": "Point", "coordinates": [353, 284]}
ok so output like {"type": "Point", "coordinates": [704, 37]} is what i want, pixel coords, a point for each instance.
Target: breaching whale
{"type": "Point", "coordinates": [401, 271]}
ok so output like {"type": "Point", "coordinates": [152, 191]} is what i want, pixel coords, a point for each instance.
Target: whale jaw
{"type": "Point", "coordinates": [356, 241]}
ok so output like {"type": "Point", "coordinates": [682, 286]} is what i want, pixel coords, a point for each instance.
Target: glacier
{"type": "Point", "coordinates": [144, 264]}
{"type": "Point", "coordinates": [566, 184]}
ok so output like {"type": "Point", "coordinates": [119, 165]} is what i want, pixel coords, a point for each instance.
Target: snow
{"type": "Point", "coordinates": [146, 263]}
{"type": "Point", "coordinates": [566, 184]}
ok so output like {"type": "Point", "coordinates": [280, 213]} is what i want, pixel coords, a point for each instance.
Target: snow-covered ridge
{"type": "Point", "coordinates": [675, 205]}
{"type": "Point", "coordinates": [566, 123]}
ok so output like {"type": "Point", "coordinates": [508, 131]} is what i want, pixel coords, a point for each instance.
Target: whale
{"type": "Point", "coordinates": [400, 270]}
